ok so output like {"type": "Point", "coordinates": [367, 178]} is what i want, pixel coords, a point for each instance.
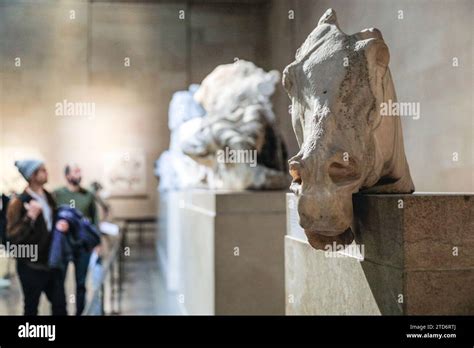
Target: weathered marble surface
{"type": "Point", "coordinates": [239, 122]}
{"type": "Point", "coordinates": [338, 85]}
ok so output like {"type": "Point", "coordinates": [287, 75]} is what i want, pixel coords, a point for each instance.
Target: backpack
{"type": "Point", "coordinates": [3, 214]}
{"type": "Point", "coordinates": [3, 219]}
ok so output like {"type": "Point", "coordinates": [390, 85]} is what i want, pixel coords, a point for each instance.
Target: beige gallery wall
{"type": "Point", "coordinates": [77, 51]}
{"type": "Point", "coordinates": [422, 47]}
{"type": "Point", "coordinates": [82, 59]}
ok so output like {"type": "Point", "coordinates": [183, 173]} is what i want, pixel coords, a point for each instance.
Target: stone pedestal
{"type": "Point", "coordinates": [418, 259]}
{"type": "Point", "coordinates": [168, 243]}
{"type": "Point", "coordinates": [231, 258]}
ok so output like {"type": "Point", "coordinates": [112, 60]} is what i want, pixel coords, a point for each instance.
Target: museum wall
{"type": "Point", "coordinates": [422, 47]}
{"type": "Point", "coordinates": [84, 59]}
{"type": "Point", "coordinates": [220, 33]}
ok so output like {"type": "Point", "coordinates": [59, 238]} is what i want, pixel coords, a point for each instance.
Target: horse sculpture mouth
{"type": "Point", "coordinates": [321, 241]}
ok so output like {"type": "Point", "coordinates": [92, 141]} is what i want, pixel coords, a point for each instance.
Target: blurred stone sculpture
{"type": "Point", "coordinates": [238, 139]}
{"type": "Point", "coordinates": [338, 84]}
{"type": "Point", "coordinates": [176, 170]}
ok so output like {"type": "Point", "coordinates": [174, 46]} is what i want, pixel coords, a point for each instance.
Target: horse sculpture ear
{"type": "Point", "coordinates": [329, 17]}
{"type": "Point", "coordinates": [377, 50]}
{"type": "Point", "coordinates": [369, 33]}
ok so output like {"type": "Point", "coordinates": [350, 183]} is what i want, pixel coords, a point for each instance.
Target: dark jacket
{"type": "Point", "coordinates": [22, 230]}
{"type": "Point", "coordinates": [81, 235]}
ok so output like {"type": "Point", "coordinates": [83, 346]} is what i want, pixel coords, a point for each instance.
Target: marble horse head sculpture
{"type": "Point", "coordinates": [338, 84]}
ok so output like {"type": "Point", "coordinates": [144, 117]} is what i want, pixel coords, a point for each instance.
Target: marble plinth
{"type": "Point", "coordinates": [418, 259]}
{"type": "Point", "coordinates": [231, 252]}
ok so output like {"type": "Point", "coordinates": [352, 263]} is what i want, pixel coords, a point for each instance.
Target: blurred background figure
{"type": "Point", "coordinates": [75, 196]}
{"type": "Point", "coordinates": [30, 218]}
{"type": "Point", "coordinates": [4, 273]}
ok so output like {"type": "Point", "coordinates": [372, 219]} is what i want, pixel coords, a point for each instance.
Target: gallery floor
{"type": "Point", "coordinates": [144, 288]}
{"type": "Point", "coordinates": [144, 292]}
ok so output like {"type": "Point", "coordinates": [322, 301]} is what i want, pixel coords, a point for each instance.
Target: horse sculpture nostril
{"type": "Point", "coordinates": [295, 172]}
{"type": "Point", "coordinates": [296, 177]}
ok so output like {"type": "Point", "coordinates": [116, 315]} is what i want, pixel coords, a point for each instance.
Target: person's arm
{"type": "Point", "coordinates": [20, 225]}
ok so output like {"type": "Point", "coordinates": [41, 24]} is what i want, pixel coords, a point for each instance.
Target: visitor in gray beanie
{"type": "Point", "coordinates": [28, 167]}
{"type": "Point", "coordinates": [30, 221]}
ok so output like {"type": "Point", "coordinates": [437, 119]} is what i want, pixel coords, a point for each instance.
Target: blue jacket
{"type": "Point", "coordinates": [81, 235]}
